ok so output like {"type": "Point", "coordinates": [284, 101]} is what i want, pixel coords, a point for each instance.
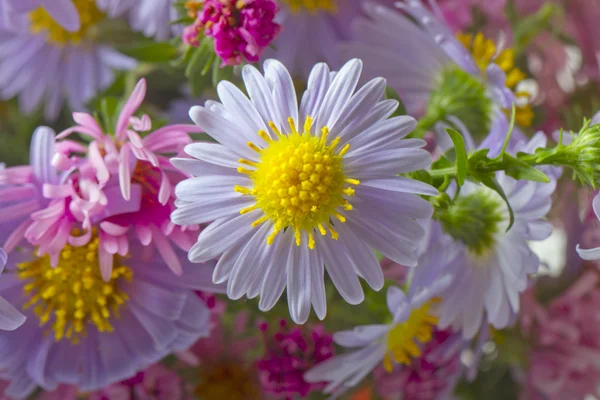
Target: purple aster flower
{"type": "Point", "coordinates": [10, 317]}
{"type": "Point", "coordinates": [296, 190]}
{"type": "Point", "coordinates": [311, 33]}
{"type": "Point", "coordinates": [289, 353]}
{"type": "Point", "coordinates": [64, 12]}
{"type": "Point", "coordinates": [489, 266]}
{"type": "Point", "coordinates": [90, 332]}
{"type": "Point", "coordinates": [151, 17]}
{"type": "Point", "coordinates": [394, 344]}
{"type": "Point", "coordinates": [42, 63]}
{"type": "Point", "coordinates": [468, 77]}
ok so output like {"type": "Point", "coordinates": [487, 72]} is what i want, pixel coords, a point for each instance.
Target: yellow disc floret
{"type": "Point", "coordinates": [402, 339]}
{"type": "Point", "coordinates": [299, 182]}
{"type": "Point", "coordinates": [312, 6]}
{"type": "Point", "coordinates": [74, 295]}
{"type": "Point", "coordinates": [89, 15]}
{"type": "Point", "coordinates": [484, 52]}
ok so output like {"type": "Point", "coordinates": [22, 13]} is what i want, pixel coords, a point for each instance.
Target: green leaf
{"type": "Point", "coordinates": [199, 64]}
{"type": "Point", "coordinates": [518, 169]}
{"type": "Point", "coordinates": [152, 52]}
{"type": "Point", "coordinates": [422, 175]}
{"type": "Point", "coordinates": [461, 155]}
{"type": "Point", "coordinates": [390, 93]}
{"type": "Point", "coordinates": [493, 184]}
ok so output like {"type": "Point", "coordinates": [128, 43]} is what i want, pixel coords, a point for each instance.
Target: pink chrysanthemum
{"type": "Point", "coordinates": [241, 30]}
{"type": "Point", "coordinates": [566, 342]}
{"type": "Point", "coordinates": [140, 167]}
{"type": "Point", "coordinates": [289, 353]}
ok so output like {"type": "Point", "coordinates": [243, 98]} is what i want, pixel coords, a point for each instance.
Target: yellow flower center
{"type": "Point", "coordinates": [89, 16]}
{"type": "Point", "coordinates": [299, 182]}
{"type": "Point", "coordinates": [402, 338]}
{"type": "Point", "coordinates": [74, 295]}
{"type": "Point", "coordinates": [484, 52]}
{"type": "Point", "coordinates": [228, 380]}
{"type": "Point", "coordinates": [312, 6]}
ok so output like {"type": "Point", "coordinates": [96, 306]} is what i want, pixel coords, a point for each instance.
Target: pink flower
{"type": "Point", "coordinates": [223, 370]}
{"type": "Point", "coordinates": [289, 353]}
{"type": "Point", "coordinates": [566, 342]}
{"type": "Point", "coordinates": [241, 30]}
{"type": "Point", "coordinates": [126, 166]}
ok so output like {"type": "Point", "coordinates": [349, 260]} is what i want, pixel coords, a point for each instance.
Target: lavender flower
{"type": "Point", "coordinates": [292, 189]}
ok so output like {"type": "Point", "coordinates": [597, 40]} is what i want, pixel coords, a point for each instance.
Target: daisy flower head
{"type": "Point", "coordinates": [392, 345]}
{"type": "Point", "coordinates": [84, 330]}
{"type": "Point", "coordinates": [293, 189]}
{"type": "Point", "coordinates": [139, 169]}
{"type": "Point", "coordinates": [64, 12]}
{"type": "Point", "coordinates": [489, 263]}
{"type": "Point", "coordinates": [311, 32]}
{"type": "Point", "coordinates": [464, 76]}
{"type": "Point", "coordinates": [43, 63]}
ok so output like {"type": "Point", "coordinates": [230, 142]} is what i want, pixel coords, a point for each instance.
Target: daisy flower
{"type": "Point", "coordinates": [294, 189]}
{"type": "Point", "coordinates": [140, 167]}
{"type": "Point", "coordinates": [64, 12]}
{"type": "Point", "coordinates": [392, 344]}
{"type": "Point", "coordinates": [468, 77]}
{"type": "Point", "coordinates": [43, 63]}
{"type": "Point", "coordinates": [10, 317]}
{"type": "Point", "coordinates": [593, 253]}
{"type": "Point", "coordinates": [312, 32]}
{"type": "Point", "coordinates": [90, 332]}
{"type": "Point", "coordinates": [489, 265]}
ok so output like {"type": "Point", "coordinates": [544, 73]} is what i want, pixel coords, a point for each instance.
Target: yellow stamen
{"type": "Point", "coordinates": [265, 136]}
{"type": "Point", "coordinates": [56, 295]}
{"type": "Point", "coordinates": [248, 209]}
{"type": "Point", "coordinates": [344, 150]}
{"type": "Point", "coordinates": [254, 147]}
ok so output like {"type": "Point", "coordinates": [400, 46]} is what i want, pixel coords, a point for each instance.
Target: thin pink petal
{"type": "Point", "coordinates": [56, 191]}
{"type": "Point", "coordinates": [16, 175]}
{"type": "Point", "coordinates": [133, 103]}
{"type": "Point", "coordinates": [167, 134]}
{"type": "Point", "coordinates": [78, 129]}
{"type": "Point", "coordinates": [105, 260]}
{"type": "Point", "coordinates": [123, 245]}
{"type": "Point", "coordinates": [98, 162]}
{"type": "Point", "coordinates": [113, 229]}
{"type": "Point", "coordinates": [166, 251]}
{"type": "Point", "coordinates": [12, 193]}
{"type": "Point", "coordinates": [181, 240]}
{"type": "Point", "coordinates": [62, 162]}
{"type": "Point", "coordinates": [188, 357]}
{"type": "Point", "coordinates": [86, 120]}
{"type": "Point", "coordinates": [125, 172]}
{"type": "Point", "coordinates": [164, 192]}
{"type": "Point", "coordinates": [82, 240]}
{"type": "Point", "coordinates": [135, 139]}
{"type": "Point", "coordinates": [18, 210]}
{"type": "Point", "coordinates": [143, 124]}
{"type": "Point", "coordinates": [69, 146]}
{"type": "Point", "coordinates": [144, 234]}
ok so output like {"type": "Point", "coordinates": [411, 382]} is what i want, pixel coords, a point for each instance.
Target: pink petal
{"type": "Point", "coordinates": [87, 121]}
{"type": "Point", "coordinates": [123, 246]}
{"type": "Point", "coordinates": [82, 240]}
{"type": "Point", "coordinates": [171, 137]}
{"type": "Point", "coordinates": [164, 193]}
{"type": "Point", "coordinates": [125, 172]}
{"type": "Point", "coordinates": [143, 124]}
{"type": "Point", "coordinates": [166, 251]}
{"type": "Point", "coordinates": [133, 103]}
{"type": "Point", "coordinates": [144, 234]}
{"type": "Point", "coordinates": [62, 162]}
{"type": "Point", "coordinates": [188, 357]}
{"type": "Point", "coordinates": [56, 191]}
{"type": "Point", "coordinates": [16, 175]}
{"type": "Point", "coordinates": [135, 139]}
{"type": "Point", "coordinates": [69, 146]}
{"type": "Point", "coordinates": [105, 260]}
{"type": "Point", "coordinates": [98, 162]}
{"type": "Point", "coordinates": [18, 210]}
{"type": "Point", "coordinates": [113, 229]}
{"type": "Point", "coordinates": [181, 240]}
{"type": "Point", "coordinates": [79, 129]}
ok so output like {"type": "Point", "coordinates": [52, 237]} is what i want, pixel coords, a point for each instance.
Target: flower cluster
{"type": "Point", "coordinates": [422, 174]}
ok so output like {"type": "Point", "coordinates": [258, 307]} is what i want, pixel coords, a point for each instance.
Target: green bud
{"type": "Point", "coordinates": [475, 219]}
{"type": "Point", "coordinates": [462, 95]}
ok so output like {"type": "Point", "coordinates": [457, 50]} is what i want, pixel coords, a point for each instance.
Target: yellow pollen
{"type": "Point", "coordinates": [402, 340]}
{"type": "Point", "coordinates": [299, 183]}
{"type": "Point", "coordinates": [312, 6]}
{"type": "Point", "coordinates": [89, 15]}
{"type": "Point", "coordinates": [484, 52]}
{"type": "Point", "coordinates": [73, 295]}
